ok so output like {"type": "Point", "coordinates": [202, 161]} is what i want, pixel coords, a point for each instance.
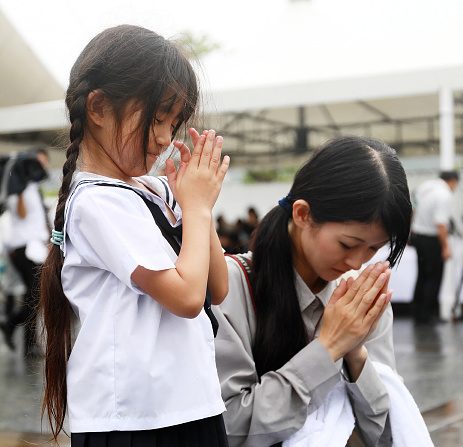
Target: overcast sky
{"type": "Point", "coordinates": [262, 41]}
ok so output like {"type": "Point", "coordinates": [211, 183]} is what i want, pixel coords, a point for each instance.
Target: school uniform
{"type": "Point", "coordinates": [265, 411]}
{"type": "Point", "coordinates": [134, 365]}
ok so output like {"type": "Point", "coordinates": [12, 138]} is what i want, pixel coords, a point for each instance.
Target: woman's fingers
{"type": "Point", "coordinates": [354, 286]}
{"type": "Point", "coordinates": [364, 283]}
{"type": "Point", "coordinates": [338, 292]}
{"type": "Point", "coordinates": [386, 284]}
{"type": "Point", "coordinates": [367, 299]}
{"type": "Point", "coordinates": [377, 310]}
{"type": "Point", "coordinates": [386, 303]}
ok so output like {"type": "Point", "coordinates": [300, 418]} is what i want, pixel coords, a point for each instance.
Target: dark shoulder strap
{"type": "Point", "coordinates": [173, 235]}
{"type": "Point", "coordinates": [246, 268]}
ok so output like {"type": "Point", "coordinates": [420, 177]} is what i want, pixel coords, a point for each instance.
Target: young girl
{"type": "Point", "coordinates": [141, 370]}
{"type": "Point", "coordinates": [277, 357]}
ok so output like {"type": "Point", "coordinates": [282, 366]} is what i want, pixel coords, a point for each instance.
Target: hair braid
{"type": "Point", "coordinates": [76, 134]}
{"type": "Point", "coordinates": [53, 302]}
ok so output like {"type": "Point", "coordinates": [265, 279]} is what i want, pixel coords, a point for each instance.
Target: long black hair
{"type": "Point", "coordinates": [347, 179]}
{"type": "Point", "coordinates": [125, 63]}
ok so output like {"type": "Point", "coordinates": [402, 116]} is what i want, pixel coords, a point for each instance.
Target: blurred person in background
{"type": "Point", "coordinates": [228, 235]}
{"type": "Point", "coordinates": [251, 222]}
{"type": "Point", "coordinates": [453, 269]}
{"type": "Point", "coordinates": [11, 286]}
{"type": "Point", "coordinates": [27, 249]}
{"type": "Point", "coordinates": [430, 237]}
{"type": "Point", "coordinates": [235, 238]}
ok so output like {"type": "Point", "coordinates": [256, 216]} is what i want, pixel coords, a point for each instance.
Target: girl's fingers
{"type": "Point", "coordinates": [185, 154]}
{"type": "Point", "coordinates": [222, 171]}
{"type": "Point", "coordinates": [194, 135]}
{"type": "Point", "coordinates": [207, 149]}
{"type": "Point", "coordinates": [216, 153]}
{"type": "Point", "coordinates": [181, 170]}
{"type": "Point", "coordinates": [171, 173]}
{"type": "Point", "coordinates": [197, 150]}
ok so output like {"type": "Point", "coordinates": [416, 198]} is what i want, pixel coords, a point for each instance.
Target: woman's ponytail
{"type": "Point", "coordinates": [275, 294]}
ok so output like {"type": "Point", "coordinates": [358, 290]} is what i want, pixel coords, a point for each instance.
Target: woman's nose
{"type": "Point", "coordinates": [354, 261]}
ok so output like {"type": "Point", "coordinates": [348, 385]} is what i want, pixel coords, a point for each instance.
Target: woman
{"type": "Point", "coordinates": [277, 357]}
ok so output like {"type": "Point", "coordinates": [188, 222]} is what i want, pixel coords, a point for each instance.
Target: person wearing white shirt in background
{"type": "Point", "coordinates": [27, 249]}
{"type": "Point", "coordinates": [450, 289]}
{"type": "Point", "coordinates": [430, 237]}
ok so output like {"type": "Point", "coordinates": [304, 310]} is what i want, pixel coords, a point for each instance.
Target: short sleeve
{"type": "Point", "coordinates": [113, 229]}
{"type": "Point", "coordinates": [442, 210]}
{"type": "Point", "coordinates": [12, 202]}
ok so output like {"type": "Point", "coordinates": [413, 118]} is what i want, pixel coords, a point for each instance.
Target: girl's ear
{"type": "Point", "coordinates": [96, 107]}
{"type": "Point", "coordinates": [301, 213]}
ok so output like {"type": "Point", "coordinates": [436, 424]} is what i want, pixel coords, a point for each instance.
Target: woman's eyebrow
{"type": "Point", "coordinates": [353, 237]}
{"type": "Point", "coordinates": [361, 240]}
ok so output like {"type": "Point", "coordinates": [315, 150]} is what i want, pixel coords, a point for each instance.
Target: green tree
{"type": "Point", "coordinates": [197, 46]}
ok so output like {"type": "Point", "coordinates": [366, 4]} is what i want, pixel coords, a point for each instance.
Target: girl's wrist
{"type": "Point", "coordinates": [197, 211]}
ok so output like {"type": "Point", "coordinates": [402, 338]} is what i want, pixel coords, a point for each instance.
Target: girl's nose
{"type": "Point", "coordinates": [164, 142]}
{"type": "Point", "coordinates": [163, 136]}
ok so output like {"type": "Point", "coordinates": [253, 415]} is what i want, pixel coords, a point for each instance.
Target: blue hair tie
{"type": "Point", "coordinates": [57, 237]}
{"type": "Point", "coordinates": [286, 203]}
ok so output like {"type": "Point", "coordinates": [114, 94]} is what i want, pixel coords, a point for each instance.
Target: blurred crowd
{"type": "Point", "coordinates": [236, 237]}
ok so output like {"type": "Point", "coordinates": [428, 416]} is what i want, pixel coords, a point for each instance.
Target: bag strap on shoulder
{"type": "Point", "coordinates": [246, 267]}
